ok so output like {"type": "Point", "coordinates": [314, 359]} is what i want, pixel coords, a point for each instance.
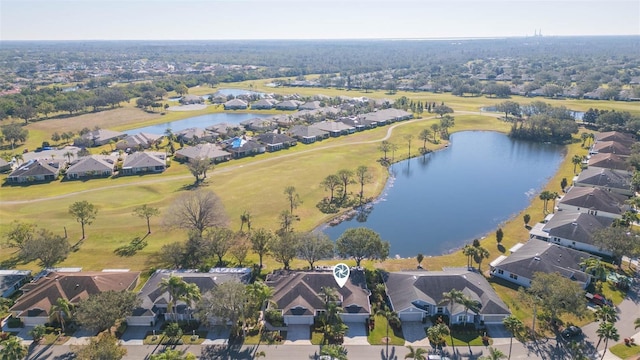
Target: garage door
{"type": "Point", "coordinates": [493, 319]}
{"type": "Point", "coordinates": [416, 316]}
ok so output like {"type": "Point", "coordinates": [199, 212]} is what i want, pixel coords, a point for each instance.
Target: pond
{"type": "Point", "coordinates": [201, 121]}
{"type": "Point", "coordinates": [436, 203]}
{"type": "Point", "coordinates": [577, 115]}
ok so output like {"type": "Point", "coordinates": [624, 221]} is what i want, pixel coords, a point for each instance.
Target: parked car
{"type": "Point", "coordinates": [571, 331]}
{"type": "Point", "coordinates": [598, 299]}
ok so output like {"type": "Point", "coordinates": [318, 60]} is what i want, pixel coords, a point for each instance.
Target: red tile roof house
{"type": "Point", "coordinates": [34, 306]}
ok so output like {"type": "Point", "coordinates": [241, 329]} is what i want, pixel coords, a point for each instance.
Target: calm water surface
{"type": "Point", "coordinates": [201, 121]}
{"type": "Point", "coordinates": [439, 202]}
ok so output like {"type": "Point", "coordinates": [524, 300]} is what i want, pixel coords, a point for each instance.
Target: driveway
{"type": "Point", "coordinates": [356, 335]}
{"type": "Point", "coordinates": [414, 333]}
{"type": "Point", "coordinates": [498, 333]}
{"type": "Point", "coordinates": [298, 335]}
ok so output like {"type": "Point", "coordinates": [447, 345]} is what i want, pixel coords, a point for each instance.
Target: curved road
{"type": "Point", "coordinates": [232, 167]}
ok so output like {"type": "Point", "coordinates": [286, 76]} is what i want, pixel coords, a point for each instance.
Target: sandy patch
{"type": "Point", "coordinates": [190, 107]}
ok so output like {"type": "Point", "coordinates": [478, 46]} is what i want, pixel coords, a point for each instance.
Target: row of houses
{"type": "Point", "coordinates": [298, 295]}
{"type": "Point", "coordinates": [92, 166]}
{"type": "Point", "coordinates": [565, 238]}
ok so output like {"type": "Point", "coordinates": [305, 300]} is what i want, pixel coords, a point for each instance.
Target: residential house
{"type": "Point", "coordinates": [593, 201]}
{"type": "Point", "coordinates": [615, 181]}
{"type": "Point", "coordinates": [240, 147]}
{"type": "Point", "coordinates": [610, 147]}
{"type": "Point", "coordinates": [4, 165]}
{"type": "Point", "coordinates": [138, 141]}
{"type": "Point", "coordinates": [12, 280]}
{"type": "Point", "coordinates": [33, 307]}
{"type": "Point", "coordinates": [155, 299]}
{"type": "Point", "coordinates": [224, 129]}
{"type": "Point", "coordinates": [358, 123]}
{"type": "Point", "coordinates": [195, 135]}
{"type": "Point", "coordinates": [235, 104]}
{"type": "Point", "coordinates": [202, 151]}
{"type": "Point", "coordinates": [416, 295]}
{"type": "Point", "coordinates": [307, 134]}
{"type": "Point", "coordinates": [334, 128]}
{"type": "Point", "coordinates": [386, 116]}
{"type": "Point", "coordinates": [35, 170]}
{"type": "Point", "coordinates": [288, 105]}
{"type": "Point", "coordinates": [91, 167]}
{"type": "Point", "coordinates": [263, 104]}
{"type": "Point", "coordinates": [573, 230]}
{"type": "Point", "coordinates": [608, 161]}
{"type": "Point", "coordinates": [525, 260]}
{"type": "Point", "coordinates": [617, 136]}
{"type": "Point", "coordinates": [99, 137]}
{"type": "Point", "coordinates": [299, 295]}
{"type": "Point", "coordinates": [191, 99]}
{"type": "Point", "coordinates": [275, 141]}
{"type": "Point", "coordinates": [143, 163]}
{"type": "Point", "coordinates": [259, 124]}
{"type": "Point", "coordinates": [311, 105]}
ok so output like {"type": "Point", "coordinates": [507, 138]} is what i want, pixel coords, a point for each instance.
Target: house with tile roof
{"type": "Point", "coordinates": [334, 128]}
{"type": "Point", "coordinates": [615, 181]}
{"type": "Point", "coordinates": [235, 104]}
{"type": "Point", "coordinates": [144, 163]}
{"type": "Point", "coordinates": [263, 104]}
{"type": "Point", "coordinates": [12, 280]}
{"type": "Point", "coordinates": [299, 295]}
{"type": "Point", "coordinates": [288, 105]}
{"type": "Point", "coordinates": [536, 256]}
{"type": "Point", "coordinates": [573, 230]}
{"type": "Point", "coordinates": [275, 141]}
{"type": "Point", "coordinates": [92, 166]}
{"type": "Point", "coordinates": [155, 301]}
{"type": "Point", "coordinates": [608, 161]}
{"type": "Point", "coordinates": [241, 147]}
{"type": "Point", "coordinates": [307, 134]}
{"type": "Point", "coordinates": [100, 137]}
{"type": "Point", "coordinates": [259, 124]}
{"type": "Point", "coordinates": [203, 151]}
{"type": "Point", "coordinates": [34, 306]}
{"type": "Point", "coordinates": [416, 295]}
{"type": "Point", "coordinates": [36, 170]}
{"type": "Point", "coordinates": [623, 138]}
{"type": "Point", "coordinates": [138, 141]}
{"type": "Point", "coordinates": [593, 201]}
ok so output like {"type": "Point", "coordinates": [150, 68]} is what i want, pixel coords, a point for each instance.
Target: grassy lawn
{"type": "Point", "coordinates": [262, 336]}
{"type": "Point", "coordinates": [187, 339]}
{"type": "Point", "coordinates": [54, 339]}
{"type": "Point", "coordinates": [625, 351]}
{"type": "Point", "coordinates": [467, 339]}
{"type": "Point", "coordinates": [379, 332]}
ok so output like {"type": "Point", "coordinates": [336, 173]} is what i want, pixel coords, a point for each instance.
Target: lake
{"type": "Point", "coordinates": [436, 203]}
{"type": "Point", "coordinates": [201, 121]}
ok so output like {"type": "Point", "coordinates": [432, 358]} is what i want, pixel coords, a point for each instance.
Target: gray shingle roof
{"type": "Point", "coordinates": [405, 287]}
{"type": "Point", "coordinates": [34, 168]}
{"type": "Point", "coordinates": [273, 138]}
{"type": "Point", "coordinates": [541, 256]}
{"type": "Point", "coordinates": [143, 159]}
{"type": "Point", "coordinates": [202, 151]}
{"type": "Point", "coordinates": [594, 199]}
{"type": "Point", "coordinates": [301, 292]}
{"type": "Point", "coordinates": [605, 178]}
{"type": "Point", "coordinates": [99, 163]}
{"type": "Point", "coordinates": [575, 226]}
{"type": "Point", "coordinates": [306, 131]}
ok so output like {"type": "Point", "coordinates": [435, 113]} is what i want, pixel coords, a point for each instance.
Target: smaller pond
{"type": "Point", "coordinates": [201, 121]}
{"type": "Point", "coordinates": [237, 92]}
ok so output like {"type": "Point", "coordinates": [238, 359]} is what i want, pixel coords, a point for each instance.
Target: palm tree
{"type": "Point", "coordinates": [494, 354]}
{"type": "Point", "coordinates": [417, 353]}
{"type": "Point", "coordinates": [419, 258]}
{"type": "Point", "coordinates": [190, 294]}
{"type": "Point", "coordinates": [13, 349]}
{"type": "Point", "coordinates": [470, 304]}
{"type": "Point", "coordinates": [245, 218]}
{"type": "Point", "coordinates": [607, 331]}
{"type": "Point", "coordinates": [437, 333]}
{"type": "Point", "coordinates": [175, 286]}
{"type": "Point", "coordinates": [636, 323]}
{"type": "Point", "coordinates": [60, 311]}
{"type": "Point", "coordinates": [68, 155]}
{"type": "Point", "coordinates": [335, 352]}
{"type": "Point", "coordinates": [575, 160]}
{"type": "Point", "coordinates": [469, 251]}
{"type": "Point", "coordinates": [481, 254]}
{"type": "Point", "coordinates": [606, 313]}
{"type": "Point", "coordinates": [545, 196]}
{"type": "Point", "coordinates": [554, 196]}
{"type": "Point", "coordinates": [594, 267]}
{"type": "Point", "coordinates": [452, 297]}
{"type": "Point", "coordinates": [515, 327]}
{"type": "Point", "coordinates": [390, 316]}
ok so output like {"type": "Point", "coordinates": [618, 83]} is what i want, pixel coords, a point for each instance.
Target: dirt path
{"type": "Point", "coordinates": [233, 167]}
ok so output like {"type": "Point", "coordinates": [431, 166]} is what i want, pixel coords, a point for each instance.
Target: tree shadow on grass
{"type": "Point", "coordinates": [227, 352]}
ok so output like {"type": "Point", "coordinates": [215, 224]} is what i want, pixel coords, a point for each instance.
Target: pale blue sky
{"type": "Point", "coordinates": [302, 19]}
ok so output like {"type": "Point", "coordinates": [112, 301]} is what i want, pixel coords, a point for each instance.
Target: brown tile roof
{"type": "Point", "coordinates": [72, 286]}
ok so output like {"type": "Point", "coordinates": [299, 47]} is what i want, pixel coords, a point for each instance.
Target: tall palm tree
{"type": "Point", "coordinates": [451, 298]}
{"type": "Point", "coordinates": [470, 304]}
{"type": "Point", "coordinates": [437, 333]}
{"type": "Point", "coordinates": [469, 251]}
{"type": "Point", "coordinates": [390, 316]}
{"type": "Point", "coordinates": [545, 196]}
{"type": "Point", "coordinates": [416, 354]}
{"type": "Point", "coordinates": [606, 313]}
{"type": "Point", "coordinates": [594, 267]}
{"type": "Point", "coordinates": [175, 286]}
{"type": "Point", "coordinates": [607, 331]}
{"type": "Point", "coordinates": [190, 294]}
{"type": "Point", "coordinates": [494, 354]}
{"type": "Point", "coordinates": [515, 327]}
{"type": "Point", "coordinates": [575, 160]}
{"type": "Point", "coordinates": [61, 311]}
{"type": "Point", "coordinates": [481, 254]}
{"type": "Point", "coordinates": [13, 349]}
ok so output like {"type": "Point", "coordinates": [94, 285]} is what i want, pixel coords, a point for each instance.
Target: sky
{"type": "Point", "coordinates": [311, 19]}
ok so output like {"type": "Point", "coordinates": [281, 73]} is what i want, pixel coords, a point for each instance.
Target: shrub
{"type": "Point", "coordinates": [14, 322]}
